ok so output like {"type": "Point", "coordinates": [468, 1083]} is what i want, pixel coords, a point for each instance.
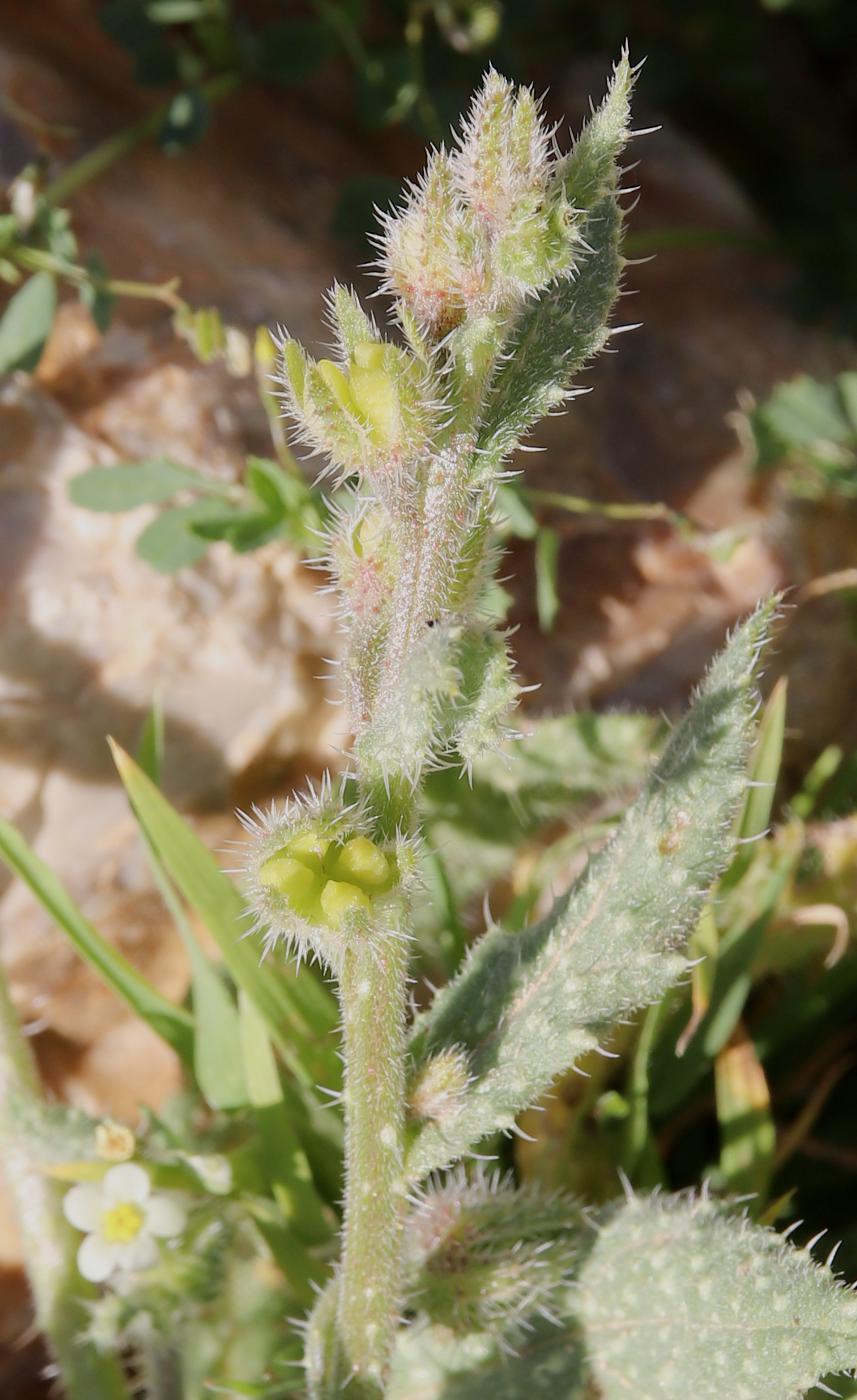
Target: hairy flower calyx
{"type": "Point", "coordinates": [325, 879]}
{"type": "Point", "coordinates": [319, 881]}
{"type": "Point", "coordinates": [488, 224]}
{"type": "Point", "coordinates": [370, 407]}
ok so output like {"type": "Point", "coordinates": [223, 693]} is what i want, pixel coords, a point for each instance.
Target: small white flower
{"type": "Point", "coordinates": [122, 1220]}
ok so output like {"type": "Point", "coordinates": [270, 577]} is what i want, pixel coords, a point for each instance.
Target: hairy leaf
{"type": "Point", "coordinates": [429, 1364]}
{"type": "Point", "coordinates": [589, 169]}
{"type": "Point", "coordinates": [679, 1298]}
{"type": "Point", "coordinates": [555, 338]}
{"type": "Point", "coordinates": [526, 1006]}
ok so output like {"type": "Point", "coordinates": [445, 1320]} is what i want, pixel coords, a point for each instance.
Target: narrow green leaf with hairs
{"type": "Point", "coordinates": [526, 1006]}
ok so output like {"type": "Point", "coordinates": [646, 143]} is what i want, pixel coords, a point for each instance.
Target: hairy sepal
{"type": "Point", "coordinates": [324, 1364]}
{"type": "Point", "coordinates": [318, 885]}
{"type": "Point", "coordinates": [363, 557]}
{"type": "Point", "coordinates": [374, 414]}
{"type": "Point", "coordinates": [527, 1005]}
{"type": "Point", "coordinates": [405, 734]}
{"type": "Point", "coordinates": [350, 322]}
{"type": "Point", "coordinates": [554, 338]}
{"type": "Point", "coordinates": [483, 1256]}
{"type": "Point", "coordinates": [681, 1296]}
{"type": "Point", "coordinates": [489, 694]}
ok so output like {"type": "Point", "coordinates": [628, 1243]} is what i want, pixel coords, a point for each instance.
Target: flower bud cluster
{"type": "Point", "coordinates": [488, 223]}
{"type": "Point", "coordinates": [317, 879]}
{"type": "Point", "coordinates": [373, 410]}
{"type": "Point", "coordinates": [490, 234]}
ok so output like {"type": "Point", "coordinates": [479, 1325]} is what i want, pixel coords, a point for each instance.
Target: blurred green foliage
{"type": "Point", "coordinates": [808, 430]}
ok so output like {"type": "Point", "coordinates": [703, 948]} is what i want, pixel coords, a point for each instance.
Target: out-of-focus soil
{"type": "Point", "coordinates": [88, 633]}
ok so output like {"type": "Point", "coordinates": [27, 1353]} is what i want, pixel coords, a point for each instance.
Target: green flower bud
{"type": "Point", "coordinates": [317, 880]}
{"type": "Point", "coordinates": [485, 1257]}
{"type": "Point", "coordinates": [361, 862]}
{"type": "Point", "coordinates": [293, 881]}
{"type": "Point", "coordinates": [339, 899]}
{"type": "Point", "coordinates": [310, 846]}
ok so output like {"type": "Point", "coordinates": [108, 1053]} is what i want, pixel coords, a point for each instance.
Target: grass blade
{"type": "Point", "coordinates": [173, 1023]}
{"type": "Point", "coordinates": [299, 1012]}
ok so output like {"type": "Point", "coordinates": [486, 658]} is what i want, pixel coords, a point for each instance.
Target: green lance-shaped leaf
{"type": "Point", "coordinates": [299, 1011]}
{"type": "Point", "coordinates": [567, 325]}
{"type": "Point", "coordinates": [679, 1297]}
{"type": "Point", "coordinates": [526, 1005]}
{"type": "Point", "coordinates": [555, 338]}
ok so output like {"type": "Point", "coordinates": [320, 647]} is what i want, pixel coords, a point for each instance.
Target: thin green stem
{"type": "Point", "coordinates": [95, 162]}
{"type": "Point", "coordinates": [415, 40]}
{"type": "Point", "coordinates": [31, 121]}
{"type": "Point", "coordinates": [59, 1294]}
{"type": "Point", "coordinates": [611, 510]}
{"type": "Point", "coordinates": [373, 992]}
{"type": "Point", "coordinates": [38, 260]}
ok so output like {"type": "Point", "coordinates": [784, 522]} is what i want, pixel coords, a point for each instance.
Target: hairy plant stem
{"type": "Point", "coordinates": [59, 1294]}
{"type": "Point", "coordinates": [373, 992]}
{"type": "Point", "coordinates": [373, 983]}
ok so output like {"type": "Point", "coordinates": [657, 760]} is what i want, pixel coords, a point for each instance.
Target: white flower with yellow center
{"type": "Point", "coordinates": [122, 1221]}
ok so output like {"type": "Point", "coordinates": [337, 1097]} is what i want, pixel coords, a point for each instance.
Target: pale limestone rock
{"type": "Point", "coordinates": [88, 635]}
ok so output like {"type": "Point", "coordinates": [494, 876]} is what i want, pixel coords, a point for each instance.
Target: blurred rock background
{"type": "Point", "coordinates": [256, 217]}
